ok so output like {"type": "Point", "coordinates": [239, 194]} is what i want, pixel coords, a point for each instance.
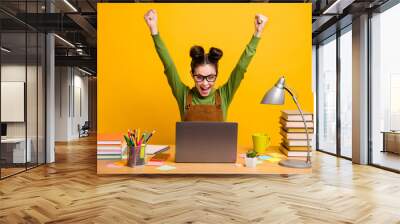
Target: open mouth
{"type": "Point", "coordinates": [205, 90]}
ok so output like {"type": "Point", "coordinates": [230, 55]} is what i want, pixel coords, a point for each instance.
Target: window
{"type": "Point", "coordinates": [385, 88]}
{"type": "Point", "coordinates": [327, 95]}
{"type": "Point", "coordinates": [346, 93]}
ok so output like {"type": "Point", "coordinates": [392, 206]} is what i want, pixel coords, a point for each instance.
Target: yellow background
{"type": "Point", "coordinates": [133, 90]}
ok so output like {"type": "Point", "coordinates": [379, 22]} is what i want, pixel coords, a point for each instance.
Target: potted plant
{"type": "Point", "coordinates": [251, 158]}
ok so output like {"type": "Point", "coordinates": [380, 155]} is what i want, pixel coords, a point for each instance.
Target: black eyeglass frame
{"type": "Point", "coordinates": [204, 77]}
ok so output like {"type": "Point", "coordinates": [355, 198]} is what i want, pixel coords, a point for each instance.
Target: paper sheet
{"type": "Point", "coordinates": [264, 157]}
{"type": "Point", "coordinates": [153, 149]}
{"type": "Point", "coordinates": [166, 168]}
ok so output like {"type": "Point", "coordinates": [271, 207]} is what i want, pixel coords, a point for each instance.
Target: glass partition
{"type": "Point", "coordinates": [327, 95]}
{"type": "Point", "coordinates": [22, 88]}
{"type": "Point", "coordinates": [13, 103]}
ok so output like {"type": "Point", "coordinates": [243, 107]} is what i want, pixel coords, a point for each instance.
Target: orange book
{"type": "Point", "coordinates": [293, 153]}
{"type": "Point", "coordinates": [296, 142]}
{"type": "Point", "coordinates": [295, 135]}
{"type": "Point", "coordinates": [110, 139]}
{"type": "Point", "coordinates": [294, 115]}
{"type": "Point", "coordinates": [298, 130]}
{"type": "Point", "coordinates": [294, 148]}
{"type": "Point", "coordinates": [296, 124]}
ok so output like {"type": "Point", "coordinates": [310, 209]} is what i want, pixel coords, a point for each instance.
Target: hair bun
{"type": "Point", "coordinates": [197, 53]}
{"type": "Point", "coordinates": [214, 54]}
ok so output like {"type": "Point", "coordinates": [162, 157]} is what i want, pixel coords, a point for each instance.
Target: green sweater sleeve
{"type": "Point", "coordinates": [229, 88]}
{"type": "Point", "coordinates": [179, 89]}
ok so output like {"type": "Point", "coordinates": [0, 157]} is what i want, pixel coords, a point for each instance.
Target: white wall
{"type": "Point", "coordinates": [62, 81]}
{"type": "Point", "coordinates": [71, 94]}
{"type": "Point", "coordinates": [12, 73]}
{"type": "Point", "coordinates": [81, 84]}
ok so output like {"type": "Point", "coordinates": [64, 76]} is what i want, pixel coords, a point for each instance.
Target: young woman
{"type": "Point", "coordinates": [203, 102]}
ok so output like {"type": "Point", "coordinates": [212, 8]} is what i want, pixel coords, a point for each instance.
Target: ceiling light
{"type": "Point", "coordinates": [337, 7]}
{"type": "Point", "coordinates": [5, 50]}
{"type": "Point", "coordinates": [84, 71]}
{"type": "Point", "coordinates": [70, 5]}
{"type": "Point", "coordinates": [65, 41]}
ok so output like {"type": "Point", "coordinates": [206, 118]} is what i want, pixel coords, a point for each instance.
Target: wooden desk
{"type": "Point", "coordinates": [266, 167]}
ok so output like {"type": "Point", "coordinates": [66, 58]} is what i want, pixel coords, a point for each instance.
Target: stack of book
{"type": "Point", "coordinates": [109, 147]}
{"type": "Point", "coordinates": [294, 135]}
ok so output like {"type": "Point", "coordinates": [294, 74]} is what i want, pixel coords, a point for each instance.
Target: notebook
{"type": "Point", "coordinates": [153, 149]}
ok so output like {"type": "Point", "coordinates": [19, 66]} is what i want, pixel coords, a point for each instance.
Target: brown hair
{"type": "Point", "coordinates": [200, 58]}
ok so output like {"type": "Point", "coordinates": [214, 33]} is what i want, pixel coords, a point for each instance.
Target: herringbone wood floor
{"type": "Point", "coordinates": [69, 191]}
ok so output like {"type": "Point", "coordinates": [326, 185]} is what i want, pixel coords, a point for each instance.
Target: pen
{"type": "Point", "coordinates": [127, 141]}
{"type": "Point", "coordinates": [134, 136]}
{"type": "Point", "coordinates": [138, 135]}
{"type": "Point", "coordinates": [142, 139]}
{"type": "Point", "coordinates": [148, 137]}
{"type": "Point", "coordinates": [131, 136]}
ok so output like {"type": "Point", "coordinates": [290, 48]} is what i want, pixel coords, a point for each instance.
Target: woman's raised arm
{"type": "Point", "coordinates": [179, 89]}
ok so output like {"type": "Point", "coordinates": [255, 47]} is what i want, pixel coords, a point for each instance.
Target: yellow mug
{"type": "Point", "coordinates": [260, 142]}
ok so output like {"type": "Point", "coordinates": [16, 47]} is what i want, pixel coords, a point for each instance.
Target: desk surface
{"type": "Point", "coordinates": [266, 167]}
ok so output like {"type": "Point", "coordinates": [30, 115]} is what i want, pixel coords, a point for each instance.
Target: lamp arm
{"type": "Point", "coordinates": [304, 121]}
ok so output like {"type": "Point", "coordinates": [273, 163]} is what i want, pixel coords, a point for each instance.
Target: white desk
{"type": "Point", "coordinates": [18, 150]}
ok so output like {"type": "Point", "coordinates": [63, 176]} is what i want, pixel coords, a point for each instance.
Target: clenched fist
{"type": "Point", "coordinates": [151, 20]}
{"type": "Point", "coordinates": [259, 22]}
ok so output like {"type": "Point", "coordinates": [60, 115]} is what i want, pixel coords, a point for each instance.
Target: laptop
{"type": "Point", "coordinates": [206, 142]}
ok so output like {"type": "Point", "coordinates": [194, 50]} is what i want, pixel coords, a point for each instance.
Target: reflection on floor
{"type": "Point", "coordinates": [387, 159]}
{"type": "Point", "coordinates": [10, 169]}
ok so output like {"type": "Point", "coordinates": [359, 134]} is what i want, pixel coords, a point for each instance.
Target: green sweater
{"type": "Point", "coordinates": [180, 90]}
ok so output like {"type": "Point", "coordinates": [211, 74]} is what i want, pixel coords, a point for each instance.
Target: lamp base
{"type": "Point", "coordinates": [294, 163]}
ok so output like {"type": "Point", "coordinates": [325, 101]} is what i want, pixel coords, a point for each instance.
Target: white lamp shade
{"type": "Point", "coordinates": [276, 95]}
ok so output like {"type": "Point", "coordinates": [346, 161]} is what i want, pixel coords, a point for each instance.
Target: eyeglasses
{"type": "Point", "coordinates": [209, 78]}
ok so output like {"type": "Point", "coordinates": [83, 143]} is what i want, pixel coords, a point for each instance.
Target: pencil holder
{"type": "Point", "coordinates": [136, 155]}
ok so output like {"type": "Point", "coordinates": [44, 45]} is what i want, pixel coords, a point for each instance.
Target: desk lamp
{"type": "Point", "coordinates": [276, 96]}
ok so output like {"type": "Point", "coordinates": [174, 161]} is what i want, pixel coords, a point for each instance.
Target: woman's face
{"type": "Point", "coordinates": [204, 78]}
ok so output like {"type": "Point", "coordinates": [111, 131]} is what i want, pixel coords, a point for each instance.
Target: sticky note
{"type": "Point", "coordinates": [166, 168]}
{"type": "Point", "coordinates": [274, 159]}
{"type": "Point", "coordinates": [120, 163]}
{"type": "Point", "coordinates": [154, 163]}
{"type": "Point", "coordinates": [276, 155]}
{"type": "Point", "coordinates": [113, 165]}
{"type": "Point", "coordinates": [264, 157]}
